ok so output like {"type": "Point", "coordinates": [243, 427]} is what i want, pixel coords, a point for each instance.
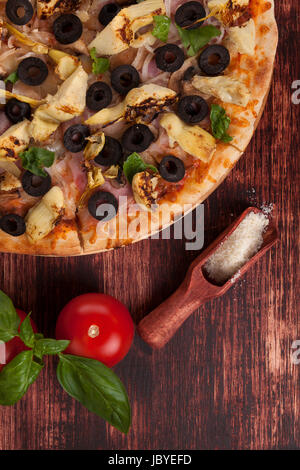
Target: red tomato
{"type": "Point", "coordinates": [13, 347]}
{"type": "Point", "coordinates": [98, 326]}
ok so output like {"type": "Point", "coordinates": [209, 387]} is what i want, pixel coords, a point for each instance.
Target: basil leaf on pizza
{"type": "Point", "coordinates": [12, 78]}
{"type": "Point", "coordinates": [9, 319]}
{"type": "Point", "coordinates": [161, 27]}
{"type": "Point", "coordinates": [194, 39]}
{"type": "Point", "coordinates": [100, 64]}
{"type": "Point", "coordinates": [220, 123]}
{"type": "Point", "coordinates": [134, 164]}
{"type": "Point", "coordinates": [35, 159]}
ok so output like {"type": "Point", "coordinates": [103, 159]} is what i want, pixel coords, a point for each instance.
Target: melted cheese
{"type": "Point", "coordinates": [192, 139]}
{"type": "Point", "coordinates": [225, 88]}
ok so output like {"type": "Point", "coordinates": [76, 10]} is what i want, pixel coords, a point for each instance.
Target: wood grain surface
{"type": "Point", "coordinates": [226, 380]}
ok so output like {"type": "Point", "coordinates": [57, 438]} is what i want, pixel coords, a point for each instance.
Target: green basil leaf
{"type": "Point", "coordinates": [100, 64]}
{"type": "Point", "coordinates": [161, 27]}
{"type": "Point", "coordinates": [49, 346]}
{"type": "Point", "coordinates": [9, 319]}
{"type": "Point", "coordinates": [27, 333]}
{"type": "Point", "coordinates": [134, 164]}
{"type": "Point", "coordinates": [194, 39]}
{"type": "Point", "coordinates": [220, 123]}
{"type": "Point", "coordinates": [35, 159]}
{"type": "Point", "coordinates": [97, 387]}
{"type": "Point", "coordinates": [13, 78]}
{"type": "Point", "coordinates": [17, 376]}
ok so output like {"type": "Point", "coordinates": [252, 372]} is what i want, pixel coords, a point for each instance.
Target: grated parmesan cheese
{"type": "Point", "coordinates": [239, 247]}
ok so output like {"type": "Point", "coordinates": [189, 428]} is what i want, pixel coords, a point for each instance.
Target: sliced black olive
{"type": "Point", "coordinates": [108, 202]}
{"type": "Point", "coordinates": [188, 13]}
{"type": "Point", "coordinates": [171, 169]}
{"type": "Point", "coordinates": [35, 185]}
{"type": "Point", "coordinates": [98, 96]}
{"type": "Point", "coordinates": [124, 78]}
{"type": "Point", "coordinates": [137, 138]}
{"type": "Point", "coordinates": [189, 74]}
{"type": "Point", "coordinates": [13, 224]}
{"type": "Point", "coordinates": [169, 57]}
{"type": "Point", "coordinates": [75, 137]}
{"type": "Point", "coordinates": [108, 12]}
{"type": "Point", "coordinates": [192, 109]}
{"type": "Point", "coordinates": [19, 12]}
{"type": "Point", "coordinates": [32, 71]}
{"type": "Point", "coordinates": [67, 28]}
{"type": "Point", "coordinates": [111, 153]}
{"type": "Point", "coordinates": [214, 60]}
{"type": "Point", "coordinates": [16, 110]}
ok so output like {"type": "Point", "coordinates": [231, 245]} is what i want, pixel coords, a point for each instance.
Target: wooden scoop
{"type": "Point", "coordinates": [161, 324]}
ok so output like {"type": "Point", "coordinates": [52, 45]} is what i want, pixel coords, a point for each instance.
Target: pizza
{"type": "Point", "coordinates": [117, 118]}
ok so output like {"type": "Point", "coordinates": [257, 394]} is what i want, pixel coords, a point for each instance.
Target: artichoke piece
{"type": "Point", "coordinates": [145, 189]}
{"type": "Point", "coordinates": [224, 87]}
{"type": "Point", "coordinates": [121, 32]}
{"type": "Point", "coordinates": [227, 11]}
{"type": "Point", "coordinates": [42, 218]}
{"type": "Point", "coordinates": [9, 182]}
{"type": "Point", "coordinates": [69, 101]}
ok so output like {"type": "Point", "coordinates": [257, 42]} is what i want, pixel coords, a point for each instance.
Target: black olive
{"type": "Point", "coordinates": [108, 12]}
{"type": "Point", "coordinates": [32, 71]}
{"type": "Point", "coordinates": [98, 96]}
{"type": "Point", "coordinates": [16, 110]}
{"type": "Point", "coordinates": [124, 78]}
{"type": "Point", "coordinates": [192, 109]}
{"type": "Point", "coordinates": [189, 74]}
{"type": "Point", "coordinates": [137, 138]}
{"type": "Point", "coordinates": [19, 12]}
{"type": "Point", "coordinates": [214, 60]}
{"type": "Point", "coordinates": [35, 185]}
{"type": "Point", "coordinates": [75, 137]}
{"type": "Point", "coordinates": [108, 201]}
{"type": "Point", "coordinates": [111, 153]}
{"type": "Point", "coordinates": [188, 13]}
{"type": "Point", "coordinates": [67, 28]}
{"type": "Point", "coordinates": [169, 57]}
{"type": "Point", "coordinates": [13, 224]}
{"type": "Point", "coordinates": [171, 169]}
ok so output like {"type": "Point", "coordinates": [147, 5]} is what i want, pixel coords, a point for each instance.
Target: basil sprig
{"type": "Point", "coordinates": [220, 123]}
{"type": "Point", "coordinates": [194, 39]}
{"type": "Point", "coordinates": [35, 159]}
{"type": "Point", "coordinates": [96, 387]}
{"type": "Point", "coordinates": [89, 381]}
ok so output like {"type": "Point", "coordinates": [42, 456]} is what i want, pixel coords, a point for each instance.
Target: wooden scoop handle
{"type": "Point", "coordinates": [161, 324]}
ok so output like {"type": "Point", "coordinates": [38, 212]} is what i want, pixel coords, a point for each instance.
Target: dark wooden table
{"type": "Point", "coordinates": [226, 381]}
